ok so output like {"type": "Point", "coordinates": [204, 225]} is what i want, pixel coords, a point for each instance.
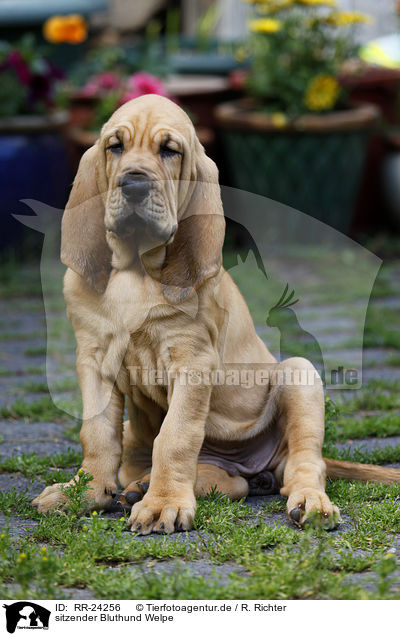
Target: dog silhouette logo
{"type": "Point", "coordinates": [26, 615]}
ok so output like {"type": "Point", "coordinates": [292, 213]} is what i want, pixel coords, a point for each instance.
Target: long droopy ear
{"type": "Point", "coordinates": [195, 255]}
{"type": "Point", "coordinates": [83, 236]}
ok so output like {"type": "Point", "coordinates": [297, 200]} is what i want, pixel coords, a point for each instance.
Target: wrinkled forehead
{"type": "Point", "coordinates": [147, 123]}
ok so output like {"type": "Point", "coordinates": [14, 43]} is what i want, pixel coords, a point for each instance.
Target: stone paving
{"type": "Point", "coordinates": [22, 365]}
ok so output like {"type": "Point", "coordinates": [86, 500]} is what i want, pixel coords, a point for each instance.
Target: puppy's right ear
{"type": "Point", "coordinates": [83, 235]}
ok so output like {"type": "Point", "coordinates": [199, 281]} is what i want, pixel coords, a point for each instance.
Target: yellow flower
{"type": "Point", "coordinates": [94, 513]}
{"type": "Point", "coordinates": [267, 1]}
{"type": "Point", "coordinates": [278, 120]}
{"type": "Point", "coordinates": [44, 558]}
{"type": "Point", "coordinates": [265, 25]}
{"type": "Point", "coordinates": [122, 519]}
{"type": "Point", "coordinates": [347, 18]}
{"type": "Point", "coordinates": [43, 550]}
{"type": "Point", "coordinates": [22, 555]}
{"type": "Point", "coordinates": [274, 7]}
{"type": "Point", "coordinates": [318, 3]}
{"type": "Point", "coordinates": [65, 28]}
{"type": "Point", "coordinates": [80, 471]}
{"type": "Point", "coordinates": [84, 528]}
{"type": "Point", "coordinates": [322, 93]}
{"type": "Point", "coordinates": [2, 536]}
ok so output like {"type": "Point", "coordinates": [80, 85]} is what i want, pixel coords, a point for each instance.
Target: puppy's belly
{"type": "Point", "coordinates": [247, 457]}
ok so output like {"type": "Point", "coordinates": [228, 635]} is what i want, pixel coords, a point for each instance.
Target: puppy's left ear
{"type": "Point", "coordinates": [195, 255]}
{"type": "Point", "coordinates": [83, 235]}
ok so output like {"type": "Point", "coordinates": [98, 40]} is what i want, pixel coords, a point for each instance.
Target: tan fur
{"type": "Point", "coordinates": [169, 305]}
{"type": "Point", "coordinates": [337, 469]}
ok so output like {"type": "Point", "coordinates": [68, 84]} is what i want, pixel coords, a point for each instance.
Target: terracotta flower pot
{"type": "Point", "coordinates": [314, 163]}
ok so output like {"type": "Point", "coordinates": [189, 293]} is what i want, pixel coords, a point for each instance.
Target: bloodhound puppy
{"type": "Point", "coordinates": [159, 322]}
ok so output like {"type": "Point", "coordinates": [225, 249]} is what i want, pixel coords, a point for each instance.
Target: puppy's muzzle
{"type": "Point", "coordinates": [135, 187]}
{"type": "Point", "coordinates": [135, 215]}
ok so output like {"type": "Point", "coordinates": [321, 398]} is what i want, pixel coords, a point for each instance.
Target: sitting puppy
{"type": "Point", "coordinates": [155, 316]}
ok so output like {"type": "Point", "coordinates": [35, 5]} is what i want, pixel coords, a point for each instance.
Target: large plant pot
{"type": "Point", "coordinates": [34, 164]}
{"type": "Point", "coordinates": [315, 164]}
{"type": "Point", "coordinates": [375, 85]}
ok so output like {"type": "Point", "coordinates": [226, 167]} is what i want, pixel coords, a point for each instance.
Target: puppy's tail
{"type": "Point", "coordinates": [338, 469]}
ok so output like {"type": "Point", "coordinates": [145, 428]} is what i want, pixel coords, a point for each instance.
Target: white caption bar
{"type": "Point", "coordinates": [234, 617]}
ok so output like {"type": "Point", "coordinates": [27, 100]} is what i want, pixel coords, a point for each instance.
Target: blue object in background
{"type": "Point", "coordinates": [32, 166]}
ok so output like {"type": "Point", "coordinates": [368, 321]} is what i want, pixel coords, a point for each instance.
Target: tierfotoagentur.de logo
{"type": "Point", "coordinates": [26, 615]}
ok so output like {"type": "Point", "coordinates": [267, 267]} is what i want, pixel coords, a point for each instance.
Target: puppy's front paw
{"type": "Point", "coordinates": [98, 496]}
{"type": "Point", "coordinates": [162, 514]}
{"type": "Point", "coordinates": [309, 505]}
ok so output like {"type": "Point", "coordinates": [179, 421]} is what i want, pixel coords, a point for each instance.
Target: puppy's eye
{"type": "Point", "coordinates": [166, 152]}
{"type": "Point", "coordinates": [116, 148]}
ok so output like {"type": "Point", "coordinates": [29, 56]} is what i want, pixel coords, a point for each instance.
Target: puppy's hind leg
{"type": "Point", "coordinates": [210, 476]}
{"type": "Point", "coordinates": [136, 490]}
{"type": "Point", "coordinates": [301, 406]}
{"type": "Point", "coordinates": [138, 435]}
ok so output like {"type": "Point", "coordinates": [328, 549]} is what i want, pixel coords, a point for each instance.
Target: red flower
{"type": "Point", "coordinates": [143, 83]}
{"type": "Point", "coordinates": [102, 83]}
{"type": "Point", "coordinates": [238, 78]}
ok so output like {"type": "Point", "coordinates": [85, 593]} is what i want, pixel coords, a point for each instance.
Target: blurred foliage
{"type": "Point", "coordinates": [28, 79]}
{"type": "Point", "coordinates": [147, 55]}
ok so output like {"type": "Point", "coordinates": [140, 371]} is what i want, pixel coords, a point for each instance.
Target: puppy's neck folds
{"type": "Point", "coordinates": [127, 255]}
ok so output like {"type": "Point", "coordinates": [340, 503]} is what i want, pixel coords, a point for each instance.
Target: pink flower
{"type": "Point", "coordinates": [142, 83]}
{"type": "Point", "coordinates": [21, 68]}
{"type": "Point", "coordinates": [102, 83]}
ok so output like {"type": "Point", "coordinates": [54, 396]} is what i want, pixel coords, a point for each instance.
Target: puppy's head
{"type": "Point", "coordinates": [147, 182]}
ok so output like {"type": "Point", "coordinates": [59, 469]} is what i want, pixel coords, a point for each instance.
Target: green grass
{"type": "Point", "coordinates": [16, 281]}
{"type": "Point", "coordinates": [393, 360]}
{"type": "Point", "coordinates": [65, 550]}
{"type": "Point", "coordinates": [6, 373]}
{"type": "Point", "coordinates": [382, 327]}
{"type": "Point", "coordinates": [269, 558]}
{"type": "Point", "coordinates": [368, 426]}
{"type": "Point", "coordinates": [33, 465]}
{"type": "Point", "coordinates": [34, 352]}
{"type": "Point", "coordinates": [19, 335]}
{"type": "Point", "coordinates": [33, 387]}
{"type": "Point", "coordinates": [35, 369]}
{"type": "Point", "coordinates": [42, 410]}
{"type": "Point", "coordinates": [376, 395]}
{"type": "Point", "coordinates": [64, 385]}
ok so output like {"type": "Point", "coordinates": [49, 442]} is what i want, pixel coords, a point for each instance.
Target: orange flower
{"type": "Point", "coordinates": [65, 28]}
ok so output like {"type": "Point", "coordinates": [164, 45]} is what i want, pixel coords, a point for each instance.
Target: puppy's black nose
{"type": "Point", "coordinates": [135, 187]}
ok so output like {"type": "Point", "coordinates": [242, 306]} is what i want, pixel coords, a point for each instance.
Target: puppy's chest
{"type": "Point", "coordinates": [149, 361]}
{"type": "Point", "coordinates": [143, 339]}
{"type": "Point", "coordinates": [134, 343]}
